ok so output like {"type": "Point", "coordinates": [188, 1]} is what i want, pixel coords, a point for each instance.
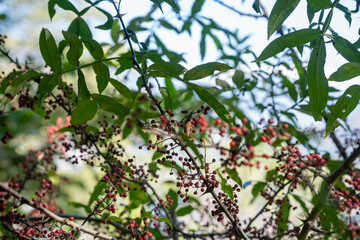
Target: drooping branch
{"type": "Point", "coordinates": [53, 216]}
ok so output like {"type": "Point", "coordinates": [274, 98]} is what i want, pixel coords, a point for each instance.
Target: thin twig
{"type": "Point", "coordinates": [267, 203]}
{"type": "Point", "coordinates": [7, 55]}
{"type": "Point", "coordinates": [239, 12]}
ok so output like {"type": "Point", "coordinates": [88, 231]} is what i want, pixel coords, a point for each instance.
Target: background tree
{"type": "Point", "coordinates": [140, 144]}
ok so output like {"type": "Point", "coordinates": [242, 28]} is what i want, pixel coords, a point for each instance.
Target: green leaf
{"type": "Point", "coordinates": [94, 48]}
{"type": "Point", "coordinates": [124, 65]}
{"type": "Point", "coordinates": [270, 175]}
{"type": "Point", "coordinates": [48, 83]}
{"type": "Point", "coordinates": [318, 84]}
{"type": "Point", "coordinates": [330, 215]}
{"type": "Point", "coordinates": [110, 104]}
{"type": "Point", "coordinates": [346, 72]}
{"type": "Point", "coordinates": [165, 219]}
{"type": "Point", "coordinates": [234, 176]}
{"type": "Point", "coordinates": [239, 79]}
{"type": "Point", "coordinates": [51, 8]}
{"type": "Point", "coordinates": [187, 26]}
{"type": "Point", "coordinates": [223, 84]}
{"type": "Point", "coordinates": [346, 11]}
{"type": "Point", "coordinates": [76, 48]}
{"type": "Point", "coordinates": [157, 155]}
{"type": "Point", "coordinates": [80, 28]}
{"type": "Point", "coordinates": [168, 26]}
{"type": "Point", "coordinates": [357, 43]}
{"type": "Point", "coordinates": [100, 186]}
{"type": "Point", "coordinates": [17, 84]}
{"type": "Point", "coordinates": [165, 69]}
{"type": "Point", "coordinates": [291, 88]}
{"type": "Point", "coordinates": [102, 75]}
{"type": "Point", "coordinates": [302, 75]}
{"type": "Point", "coordinates": [84, 10]}
{"type": "Point", "coordinates": [294, 39]}
{"type": "Point", "coordinates": [115, 31]}
{"type": "Point", "coordinates": [218, 43]}
{"type": "Point", "coordinates": [153, 167]}
{"type": "Point", "coordinates": [343, 107]}
{"type": "Point", "coordinates": [109, 23]}
{"type": "Point", "coordinates": [83, 92]}
{"type": "Point", "coordinates": [310, 13]}
{"type": "Point", "coordinates": [121, 88]}
{"type": "Point", "coordinates": [258, 187]}
{"type": "Point", "coordinates": [192, 145]}
{"type": "Point", "coordinates": [156, 233]}
{"type": "Point", "coordinates": [137, 193]}
{"type": "Point", "coordinates": [226, 188]}
{"type": "Point", "coordinates": [205, 70]}
{"type": "Point", "coordinates": [49, 50]}
{"type": "Point", "coordinates": [284, 213]}
{"type": "Point", "coordinates": [166, 95]}
{"type": "Point", "coordinates": [211, 101]}
{"type": "Point", "coordinates": [173, 196]}
{"type": "Point", "coordinates": [305, 109]}
{"type": "Point", "coordinates": [115, 219]}
{"type": "Point", "coordinates": [332, 165]}
{"type": "Point", "coordinates": [170, 87]}
{"type": "Point", "coordinates": [66, 5]}
{"type": "Point", "coordinates": [281, 10]}
{"type": "Point", "coordinates": [79, 205]}
{"type": "Point", "coordinates": [147, 214]}
{"type": "Point", "coordinates": [316, 5]}
{"type": "Point", "coordinates": [326, 24]}
{"type": "Point", "coordinates": [256, 6]}
{"type": "Point", "coordinates": [158, 3]}
{"type": "Point", "coordinates": [7, 81]}
{"type": "Point", "coordinates": [346, 49]}
{"type": "Point", "coordinates": [184, 211]}
{"type": "Point", "coordinates": [301, 202]}
{"type": "Point", "coordinates": [135, 203]}
{"type": "Point", "coordinates": [62, 45]}
{"type": "Point", "coordinates": [202, 45]}
{"type": "Point", "coordinates": [196, 7]}
{"type": "Point", "coordinates": [173, 5]}
{"type": "Point", "coordinates": [84, 111]}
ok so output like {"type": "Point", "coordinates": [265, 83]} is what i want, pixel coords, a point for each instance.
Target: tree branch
{"type": "Point", "coordinates": [122, 228]}
{"type": "Point", "coordinates": [57, 218]}
{"type": "Point", "coordinates": [179, 140]}
{"type": "Point", "coordinates": [325, 192]}
{"type": "Point", "coordinates": [267, 203]}
{"type": "Point", "coordinates": [127, 37]}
